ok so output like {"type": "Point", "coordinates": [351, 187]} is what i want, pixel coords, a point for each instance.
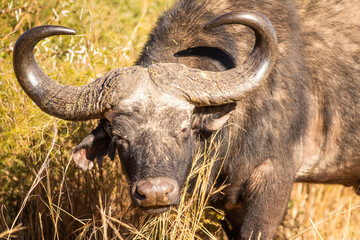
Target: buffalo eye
{"type": "Point", "coordinates": [185, 130]}
{"type": "Point", "coordinates": [121, 143]}
{"type": "Point", "coordinates": [184, 134]}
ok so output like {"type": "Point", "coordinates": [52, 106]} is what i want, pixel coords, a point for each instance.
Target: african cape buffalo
{"type": "Point", "coordinates": [288, 106]}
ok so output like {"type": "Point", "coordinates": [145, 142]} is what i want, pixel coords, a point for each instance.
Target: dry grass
{"type": "Point", "coordinates": [44, 196]}
{"type": "Point", "coordinates": [322, 212]}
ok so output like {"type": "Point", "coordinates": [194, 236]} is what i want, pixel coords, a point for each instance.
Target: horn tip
{"type": "Point", "coordinates": [71, 31]}
{"type": "Point", "coordinates": [61, 30]}
{"type": "Point", "coordinates": [50, 30]}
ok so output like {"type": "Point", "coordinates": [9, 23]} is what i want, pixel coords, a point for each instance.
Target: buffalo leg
{"type": "Point", "coordinates": [264, 203]}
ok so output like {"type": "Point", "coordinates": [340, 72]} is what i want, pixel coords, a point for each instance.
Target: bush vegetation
{"type": "Point", "coordinates": [44, 196]}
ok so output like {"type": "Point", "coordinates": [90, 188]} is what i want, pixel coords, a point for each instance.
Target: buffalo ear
{"type": "Point", "coordinates": [211, 119]}
{"type": "Point", "coordinates": [96, 145]}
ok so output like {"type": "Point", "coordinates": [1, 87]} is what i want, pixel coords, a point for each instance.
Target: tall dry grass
{"type": "Point", "coordinates": [44, 196]}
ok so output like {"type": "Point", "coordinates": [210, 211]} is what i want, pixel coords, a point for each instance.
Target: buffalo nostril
{"type": "Point", "coordinates": [138, 195]}
{"type": "Point", "coordinates": [144, 191]}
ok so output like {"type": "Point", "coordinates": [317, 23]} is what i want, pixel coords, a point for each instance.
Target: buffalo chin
{"type": "Point", "coordinates": [156, 210]}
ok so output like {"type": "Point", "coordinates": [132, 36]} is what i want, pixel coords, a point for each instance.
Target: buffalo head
{"type": "Point", "coordinates": [151, 116]}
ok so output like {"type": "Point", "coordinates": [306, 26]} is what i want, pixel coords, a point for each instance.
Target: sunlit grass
{"type": "Point", "coordinates": [322, 212]}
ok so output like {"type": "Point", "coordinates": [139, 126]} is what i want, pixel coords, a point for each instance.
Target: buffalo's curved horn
{"type": "Point", "coordinates": [205, 88]}
{"type": "Point", "coordinates": [66, 102]}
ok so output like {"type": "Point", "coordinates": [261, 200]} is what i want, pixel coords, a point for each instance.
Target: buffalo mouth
{"type": "Point", "coordinates": [156, 210]}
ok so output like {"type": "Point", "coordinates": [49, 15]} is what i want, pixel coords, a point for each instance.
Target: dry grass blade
{"type": "Point", "coordinates": [9, 233]}
{"type": "Point", "coordinates": [38, 178]}
{"type": "Point", "coordinates": [315, 229]}
{"type": "Point", "coordinates": [314, 225]}
{"type": "Point", "coordinates": [347, 222]}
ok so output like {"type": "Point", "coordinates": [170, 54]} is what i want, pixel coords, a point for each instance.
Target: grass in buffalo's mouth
{"type": "Point", "coordinates": [187, 220]}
